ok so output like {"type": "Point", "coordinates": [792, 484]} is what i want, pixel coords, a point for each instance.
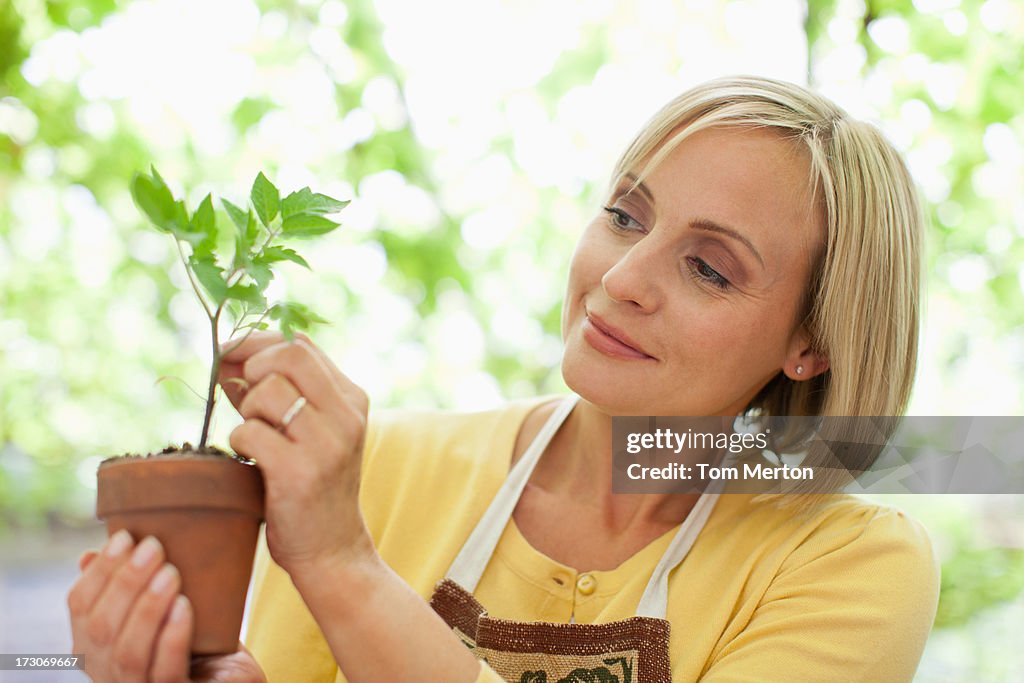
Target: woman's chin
{"type": "Point", "coordinates": [597, 388]}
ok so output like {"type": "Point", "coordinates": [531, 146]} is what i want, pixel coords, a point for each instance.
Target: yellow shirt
{"type": "Point", "coordinates": [846, 594]}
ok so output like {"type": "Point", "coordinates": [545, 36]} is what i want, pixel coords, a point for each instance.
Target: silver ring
{"type": "Point", "coordinates": [292, 411]}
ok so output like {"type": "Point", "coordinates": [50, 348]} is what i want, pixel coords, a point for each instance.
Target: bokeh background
{"type": "Point", "coordinates": [475, 138]}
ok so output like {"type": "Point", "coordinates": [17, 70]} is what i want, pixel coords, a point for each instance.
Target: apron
{"type": "Point", "coordinates": [634, 650]}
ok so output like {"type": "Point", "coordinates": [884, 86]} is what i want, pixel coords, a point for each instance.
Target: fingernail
{"type": "Point", "coordinates": [180, 609]}
{"type": "Point", "coordinates": [163, 579]}
{"type": "Point", "coordinates": [146, 552]}
{"type": "Point", "coordinates": [118, 543]}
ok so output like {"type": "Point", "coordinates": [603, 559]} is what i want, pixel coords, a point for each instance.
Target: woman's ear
{"type": "Point", "coordinates": [802, 361]}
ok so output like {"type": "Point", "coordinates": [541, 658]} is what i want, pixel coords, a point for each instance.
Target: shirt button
{"type": "Point", "coordinates": [586, 584]}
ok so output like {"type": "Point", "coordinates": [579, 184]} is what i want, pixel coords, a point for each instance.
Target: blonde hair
{"type": "Point", "coordinates": [862, 305]}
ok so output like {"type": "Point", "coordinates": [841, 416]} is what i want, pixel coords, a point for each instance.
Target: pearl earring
{"type": "Point", "coordinates": [799, 369]}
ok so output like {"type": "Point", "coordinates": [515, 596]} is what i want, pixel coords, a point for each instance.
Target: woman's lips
{"type": "Point", "coordinates": [601, 338]}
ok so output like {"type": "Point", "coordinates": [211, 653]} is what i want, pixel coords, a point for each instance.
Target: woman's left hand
{"type": "Point", "coordinates": [310, 465]}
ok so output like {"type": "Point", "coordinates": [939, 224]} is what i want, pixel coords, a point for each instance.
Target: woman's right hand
{"type": "Point", "coordinates": [129, 622]}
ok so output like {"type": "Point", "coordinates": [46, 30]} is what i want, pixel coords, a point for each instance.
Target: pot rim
{"type": "Point", "coordinates": [202, 481]}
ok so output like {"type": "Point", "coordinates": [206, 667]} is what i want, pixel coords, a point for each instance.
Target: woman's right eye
{"type": "Point", "coordinates": [620, 220]}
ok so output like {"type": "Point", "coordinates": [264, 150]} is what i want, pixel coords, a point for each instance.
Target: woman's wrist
{"type": "Point", "coordinates": [357, 568]}
{"type": "Point", "coordinates": [377, 626]}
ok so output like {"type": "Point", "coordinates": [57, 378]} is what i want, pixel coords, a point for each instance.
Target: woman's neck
{"type": "Point", "coordinates": [577, 466]}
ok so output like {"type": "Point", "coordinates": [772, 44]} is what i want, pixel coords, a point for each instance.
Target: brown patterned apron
{"type": "Point", "coordinates": [634, 650]}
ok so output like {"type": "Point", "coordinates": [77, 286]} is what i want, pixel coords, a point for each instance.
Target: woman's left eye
{"type": "Point", "coordinates": [620, 220]}
{"type": "Point", "coordinates": [705, 273]}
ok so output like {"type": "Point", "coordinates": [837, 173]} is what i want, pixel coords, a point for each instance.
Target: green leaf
{"type": "Point", "coordinates": [305, 201]}
{"type": "Point", "coordinates": [251, 226]}
{"type": "Point", "coordinates": [243, 245]}
{"type": "Point", "coordinates": [239, 217]}
{"type": "Point", "coordinates": [261, 273]}
{"type": "Point", "coordinates": [211, 276]}
{"type": "Point", "coordinates": [247, 293]}
{"type": "Point", "coordinates": [307, 225]}
{"type": "Point", "coordinates": [181, 228]}
{"type": "Point", "coordinates": [157, 178]}
{"type": "Point", "coordinates": [293, 316]}
{"type": "Point", "coordinates": [204, 221]}
{"type": "Point", "coordinates": [237, 310]}
{"type": "Point", "coordinates": [275, 254]}
{"type": "Point", "coordinates": [245, 237]}
{"type": "Point", "coordinates": [154, 199]}
{"type": "Point", "coordinates": [265, 198]}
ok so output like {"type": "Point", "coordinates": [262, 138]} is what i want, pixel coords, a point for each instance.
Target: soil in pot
{"type": "Point", "coordinates": [206, 509]}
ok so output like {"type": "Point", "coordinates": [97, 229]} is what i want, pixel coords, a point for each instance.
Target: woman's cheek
{"type": "Point", "coordinates": [584, 268]}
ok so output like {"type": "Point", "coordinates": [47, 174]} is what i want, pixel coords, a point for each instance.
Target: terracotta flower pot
{"type": "Point", "coordinates": [206, 510]}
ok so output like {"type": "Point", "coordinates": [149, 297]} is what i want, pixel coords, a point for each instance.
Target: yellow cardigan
{"type": "Point", "coordinates": [847, 594]}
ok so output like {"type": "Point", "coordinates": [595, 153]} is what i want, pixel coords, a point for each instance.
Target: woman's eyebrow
{"type": "Point", "coordinates": [643, 188]}
{"type": "Point", "coordinates": [711, 226]}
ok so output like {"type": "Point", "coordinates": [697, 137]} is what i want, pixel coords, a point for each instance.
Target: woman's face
{"type": "Point", "coordinates": [683, 298]}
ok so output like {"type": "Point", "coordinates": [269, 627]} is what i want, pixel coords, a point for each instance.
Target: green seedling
{"type": "Point", "coordinates": [236, 286]}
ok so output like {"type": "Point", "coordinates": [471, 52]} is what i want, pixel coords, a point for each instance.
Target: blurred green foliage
{"type": "Point", "coordinates": [975, 579]}
{"type": "Point", "coordinates": [88, 312]}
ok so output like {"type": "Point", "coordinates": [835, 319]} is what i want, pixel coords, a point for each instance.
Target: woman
{"type": "Point", "coordinates": [758, 253]}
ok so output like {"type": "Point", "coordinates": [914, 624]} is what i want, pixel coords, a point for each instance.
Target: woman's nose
{"type": "Point", "coordinates": [637, 276]}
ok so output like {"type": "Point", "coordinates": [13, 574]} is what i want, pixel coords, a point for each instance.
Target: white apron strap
{"type": "Point", "coordinates": [470, 563]}
{"type": "Point", "coordinates": [654, 602]}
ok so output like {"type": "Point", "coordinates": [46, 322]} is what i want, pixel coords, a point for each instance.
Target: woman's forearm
{"type": "Point", "coordinates": [379, 628]}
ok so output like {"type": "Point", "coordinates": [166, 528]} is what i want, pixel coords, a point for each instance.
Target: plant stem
{"type": "Point", "coordinates": [211, 396]}
{"type": "Point", "coordinates": [271, 234]}
{"type": "Point", "coordinates": [252, 328]}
